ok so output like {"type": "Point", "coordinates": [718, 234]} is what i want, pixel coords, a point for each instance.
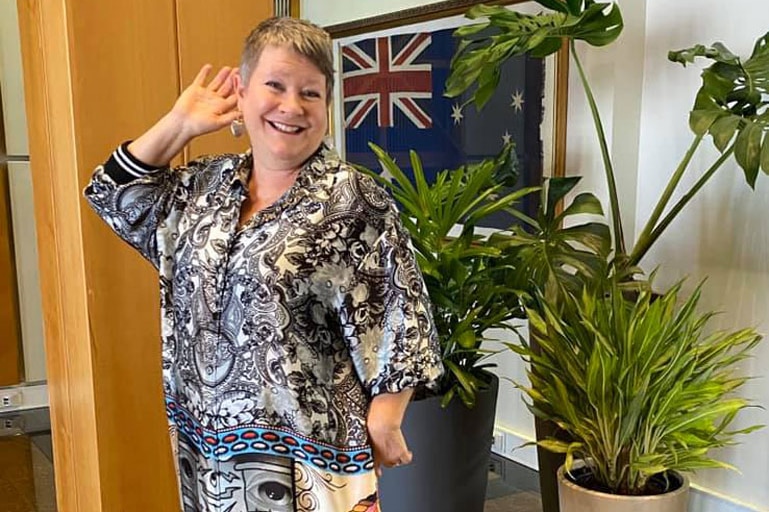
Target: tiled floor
{"type": "Point", "coordinates": [525, 501]}
{"type": "Point", "coordinates": [27, 483]}
{"type": "Point", "coordinates": [512, 488]}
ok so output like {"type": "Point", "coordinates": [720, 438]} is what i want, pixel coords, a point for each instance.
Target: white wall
{"type": "Point", "coordinates": [11, 82]}
{"type": "Point", "coordinates": [326, 13]}
{"type": "Point", "coordinates": [644, 100]}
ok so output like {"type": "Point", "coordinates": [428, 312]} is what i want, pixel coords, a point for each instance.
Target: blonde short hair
{"type": "Point", "coordinates": [305, 38]}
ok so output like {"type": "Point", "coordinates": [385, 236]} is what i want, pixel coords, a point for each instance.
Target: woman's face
{"type": "Point", "coordinates": [284, 108]}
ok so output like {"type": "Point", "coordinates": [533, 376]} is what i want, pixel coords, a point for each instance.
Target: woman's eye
{"type": "Point", "coordinates": [274, 85]}
{"type": "Point", "coordinates": [311, 94]}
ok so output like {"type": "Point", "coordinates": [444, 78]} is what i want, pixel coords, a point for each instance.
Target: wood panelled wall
{"type": "Point", "coordinates": [199, 45]}
{"type": "Point", "coordinates": [97, 73]}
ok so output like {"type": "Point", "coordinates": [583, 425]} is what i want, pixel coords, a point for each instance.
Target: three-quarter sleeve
{"type": "Point", "coordinates": [387, 318]}
{"type": "Point", "coordinates": [133, 199]}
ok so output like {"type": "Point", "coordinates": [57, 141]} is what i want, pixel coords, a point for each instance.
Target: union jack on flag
{"type": "Point", "coordinates": [384, 76]}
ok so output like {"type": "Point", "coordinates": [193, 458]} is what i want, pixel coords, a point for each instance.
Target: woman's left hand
{"type": "Point", "coordinates": [384, 429]}
{"type": "Point", "coordinates": [389, 445]}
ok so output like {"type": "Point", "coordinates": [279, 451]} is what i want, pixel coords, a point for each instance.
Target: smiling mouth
{"type": "Point", "coordinates": [286, 128]}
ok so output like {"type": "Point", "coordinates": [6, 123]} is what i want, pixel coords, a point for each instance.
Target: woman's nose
{"type": "Point", "coordinates": [291, 103]}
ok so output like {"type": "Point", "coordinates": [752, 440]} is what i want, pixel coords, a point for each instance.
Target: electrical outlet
{"type": "Point", "coordinates": [11, 426]}
{"type": "Point", "coordinates": [10, 398]}
{"type": "Point", "coordinates": [497, 466]}
{"type": "Point", "coordinates": [498, 442]}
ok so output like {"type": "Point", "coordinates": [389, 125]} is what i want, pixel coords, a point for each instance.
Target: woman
{"type": "Point", "coordinates": [295, 322]}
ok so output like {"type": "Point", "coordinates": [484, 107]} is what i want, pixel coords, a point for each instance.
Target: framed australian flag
{"type": "Point", "coordinates": [390, 78]}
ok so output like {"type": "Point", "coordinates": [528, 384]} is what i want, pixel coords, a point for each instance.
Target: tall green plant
{"type": "Point", "coordinates": [474, 281]}
{"type": "Point", "coordinates": [461, 273]}
{"type": "Point", "coordinates": [731, 105]}
{"type": "Point", "coordinates": [637, 383]}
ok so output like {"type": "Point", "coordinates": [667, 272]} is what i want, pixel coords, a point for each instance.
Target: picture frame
{"type": "Point", "coordinates": [434, 18]}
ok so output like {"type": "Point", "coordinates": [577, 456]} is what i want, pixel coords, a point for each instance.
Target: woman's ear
{"type": "Point", "coordinates": [238, 84]}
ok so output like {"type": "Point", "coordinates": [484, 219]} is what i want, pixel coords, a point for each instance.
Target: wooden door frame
{"type": "Point", "coordinates": [95, 410]}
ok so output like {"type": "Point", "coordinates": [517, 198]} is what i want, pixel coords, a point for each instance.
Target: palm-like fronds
{"type": "Point", "coordinates": [464, 272]}
{"type": "Point", "coordinates": [476, 281]}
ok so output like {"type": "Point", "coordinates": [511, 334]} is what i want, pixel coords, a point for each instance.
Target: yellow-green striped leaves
{"type": "Point", "coordinates": [635, 381]}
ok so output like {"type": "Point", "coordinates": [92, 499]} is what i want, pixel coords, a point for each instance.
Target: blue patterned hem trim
{"type": "Point", "coordinates": [228, 443]}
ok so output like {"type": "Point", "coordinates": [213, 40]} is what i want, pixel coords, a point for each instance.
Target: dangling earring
{"type": "Point", "coordinates": [237, 127]}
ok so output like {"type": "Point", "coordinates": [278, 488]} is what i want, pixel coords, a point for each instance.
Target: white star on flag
{"type": "Point", "coordinates": [506, 137]}
{"type": "Point", "coordinates": [456, 113]}
{"type": "Point", "coordinates": [518, 101]}
{"type": "Point", "coordinates": [385, 174]}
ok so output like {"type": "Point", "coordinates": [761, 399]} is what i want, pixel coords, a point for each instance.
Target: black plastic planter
{"type": "Point", "coordinates": [451, 450]}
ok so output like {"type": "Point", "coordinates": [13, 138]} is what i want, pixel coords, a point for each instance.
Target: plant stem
{"type": "Point", "coordinates": [662, 203]}
{"type": "Point", "coordinates": [641, 249]}
{"type": "Point", "coordinates": [619, 237]}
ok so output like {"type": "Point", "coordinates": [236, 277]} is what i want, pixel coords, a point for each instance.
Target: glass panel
{"type": "Point", "coordinates": [26, 462]}
{"type": "Point", "coordinates": [27, 275]}
{"type": "Point", "coordinates": [22, 355]}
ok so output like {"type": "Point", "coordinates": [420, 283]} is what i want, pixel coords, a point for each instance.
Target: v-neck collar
{"type": "Point", "coordinates": [314, 167]}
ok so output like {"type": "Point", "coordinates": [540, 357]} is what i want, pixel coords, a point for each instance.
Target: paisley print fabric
{"type": "Point", "coordinates": [277, 334]}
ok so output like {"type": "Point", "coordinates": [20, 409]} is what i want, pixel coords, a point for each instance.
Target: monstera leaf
{"type": "Point", "coordinates": [485, 46]}
{"type": "Point", "coordinates": [552, 254]}
{"type": "Point", "coordinates": [732, 103]}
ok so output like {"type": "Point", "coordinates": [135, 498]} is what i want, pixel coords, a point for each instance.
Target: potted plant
{"type": "Point", "coordinates": [643, 391]}
{"type": "Point", "coordinates": [467, 276]}
{"type": "Point", "coordinates": [731, 107]}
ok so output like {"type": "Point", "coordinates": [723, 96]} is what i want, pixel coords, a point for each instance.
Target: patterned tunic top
{"type": "Point", "coordinates": [276, 334]}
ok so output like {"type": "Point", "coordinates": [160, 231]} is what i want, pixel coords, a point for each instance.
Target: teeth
{"type": "Point", "coordinates": [285, 128]}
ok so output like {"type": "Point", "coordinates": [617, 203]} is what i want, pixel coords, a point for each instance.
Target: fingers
{"type": "Point", "coordinates": [222, 84]}
{"type": "Point", "coordinates": [200, 78]}
{"type": "Point", "coordinates": [228, 110]}
{"type": "Point", "coordinates": [228, 85]}
{"type": "Point", "coordinates": [221, 80]}
{"type": "Point", "coordinates": [392, 461]}
{"type": "Point", "coordinates": [229, 117]}
{"type": "Point", "coordinates": [403, 459]}
{"type": "Point", "coordinates": [229, 103]}
{"type": "Point", "coordinates": [390, 449]}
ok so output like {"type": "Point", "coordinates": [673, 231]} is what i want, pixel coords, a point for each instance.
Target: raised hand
{"type": "Point", "coordinates": [201, 108]}
{"type": "Point", "coordinates": [206, 107]}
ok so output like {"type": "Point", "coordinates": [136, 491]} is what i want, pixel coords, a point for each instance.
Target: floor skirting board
{"type": "Point", "coordinates": [705, 500]}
